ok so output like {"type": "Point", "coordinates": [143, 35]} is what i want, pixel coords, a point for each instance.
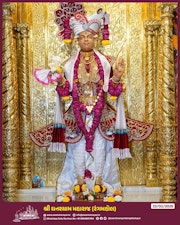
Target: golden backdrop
{"type": "Point", "coordinates": [127, 40]}
{"type": "Point", "coordinates": [129, 35]}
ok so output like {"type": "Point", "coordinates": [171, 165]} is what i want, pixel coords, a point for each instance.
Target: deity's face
{"type": "Point", "coordinates": [86, 41]}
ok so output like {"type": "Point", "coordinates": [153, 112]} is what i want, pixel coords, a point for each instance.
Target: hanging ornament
{"type": "Point", "coordinates": [62, 17]}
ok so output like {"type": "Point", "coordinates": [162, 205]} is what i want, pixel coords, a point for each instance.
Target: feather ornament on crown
{"type": "Point", "coordinates": [62, 17]}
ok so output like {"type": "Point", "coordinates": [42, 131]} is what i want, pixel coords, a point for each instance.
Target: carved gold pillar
{"type": "Point", "coordinates": [10, 131]}
{"type": "Point", "coordinates": [152, 30]}
{"type": "Point", "coordinates": [168, 127]}
{"type": "Point", "coordinates": [159, 98]}
{"type": "Point", "coordinates": [24, 104]}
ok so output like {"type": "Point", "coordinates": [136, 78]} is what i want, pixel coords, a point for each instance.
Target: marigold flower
{"type": "Point", "coordinates": [59, 69]}
{"type": "Point", "coordinates": [83, 187]}
{"type": "Point", "coordinates": [67, 193]}
{"type": "Point", "coordinates": [113, 97]}
{"type": "Point", "coordinates": [66, 199]}
{"type": "Point", "coordinates": [97, 188]}
{"type": "Point", "coordinates": [105, 42]}
{"type": "Point", "coordinates": [77, 188]}
{"type": "Point", "coordinates": [111, 199]}
{"type": "Point", "coordinates": [116, 192]}
{"type": "Point", "coordinates": [67, 41]}
{"type": "Point", "coordinates": [103, 188]}
{"type": "Point", "coordinates": [65, 98]}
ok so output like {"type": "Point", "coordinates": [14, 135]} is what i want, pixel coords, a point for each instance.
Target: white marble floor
{"type": "Point", "coordinates": [131, 194]}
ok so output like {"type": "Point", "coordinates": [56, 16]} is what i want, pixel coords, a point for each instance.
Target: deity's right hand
{"type": "Point", "coordinates": [119, 68]}
{"type": "Point", "coordinates": [56, 74]}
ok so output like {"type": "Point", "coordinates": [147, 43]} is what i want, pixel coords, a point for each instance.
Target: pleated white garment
{"type": "Point", "coordinates": [102, 163]}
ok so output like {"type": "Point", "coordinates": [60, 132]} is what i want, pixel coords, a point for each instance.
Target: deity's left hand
{"type": "Point", "coordinates": [119, 68]}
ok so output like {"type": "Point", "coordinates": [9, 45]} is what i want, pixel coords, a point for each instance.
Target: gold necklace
{"type": "Point", "coordinates": [87, 55]}
{"type": "Point", "coordinates": [88, 75]}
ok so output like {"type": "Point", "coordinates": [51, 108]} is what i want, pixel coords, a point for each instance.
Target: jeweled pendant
{"type": "Point", "coordinates": [86, 58]}
{"type": "Point", "coordinates": [89, 108]}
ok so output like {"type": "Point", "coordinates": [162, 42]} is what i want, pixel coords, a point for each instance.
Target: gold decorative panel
{"type": "Point", "coordinates": [127, 41]}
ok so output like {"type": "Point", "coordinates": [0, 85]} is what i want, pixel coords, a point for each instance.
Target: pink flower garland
{"type": "Point", "coordinates": [79, 107]}
{"type": "Point", "coordinates": [63, 90]}
{"type": "Point", "coordinates": [114, 91]}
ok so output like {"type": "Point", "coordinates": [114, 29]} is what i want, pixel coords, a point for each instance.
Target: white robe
{"type": "Point", "coordinates": [102, 162]}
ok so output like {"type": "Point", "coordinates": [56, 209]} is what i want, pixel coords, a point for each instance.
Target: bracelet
{"type": "Point", "coordinates": [115, 80]}
{"type": "Point", "coordinates": [62, 83]}
{"type": "Point", "coordinates": [121, 71]}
